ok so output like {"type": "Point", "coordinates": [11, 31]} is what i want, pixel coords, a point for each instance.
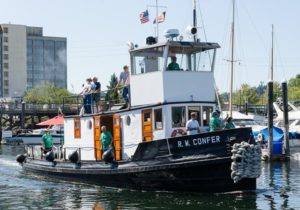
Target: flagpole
{"type": "Point", "coordinates": [157, 31]}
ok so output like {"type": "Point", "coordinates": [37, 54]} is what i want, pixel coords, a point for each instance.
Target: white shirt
{"type": "Point", "coordinates": [194, 125]}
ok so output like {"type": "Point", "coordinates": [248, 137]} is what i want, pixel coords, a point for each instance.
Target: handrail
{"type": "Point", "coordinates": [108, 99]}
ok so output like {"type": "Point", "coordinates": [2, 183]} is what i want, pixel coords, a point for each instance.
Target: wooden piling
{"type": "Point", "coordinates": [286, 145]}
{"type": "Point", "coordinates": [270, 118]}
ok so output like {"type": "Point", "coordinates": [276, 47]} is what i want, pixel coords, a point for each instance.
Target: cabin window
{"type": "Point", "coordinates": [147, 64]}
{"type": "Point", "coordinates": [196, 109]}
{"type": "Point", "coordinates": [147, 116]}
{"type": "Point", "coordinates": [178, 116]}
{"type": "Point", "coordinates": [206, 115]}
{"type": "Point", "coordinates": [158, 119]}
{"type": "Point", "coordinates": [77, 128]}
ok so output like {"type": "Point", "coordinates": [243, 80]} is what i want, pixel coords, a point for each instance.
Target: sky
{"type": "Point", "coordinates": [97, 33]}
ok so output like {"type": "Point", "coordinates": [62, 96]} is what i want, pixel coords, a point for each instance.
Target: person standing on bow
{"type": "Point", "coordinates": [125, 81]}
{"type": "Point", "coordinates": [47, 141]}
{"type": "Point", "coordinates": [192, 126]}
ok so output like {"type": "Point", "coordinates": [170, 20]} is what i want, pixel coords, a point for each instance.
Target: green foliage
{"type": "Point", "coordinates": [112, 94]}
{"type": "Point", "coordinates": [294, 82]}
{"type": "Point", "coordinates": [245, 94]}
{"type": "Point", "coordinates": [46, 93]}
{"type": "Point", "coordinates": [259, 94]}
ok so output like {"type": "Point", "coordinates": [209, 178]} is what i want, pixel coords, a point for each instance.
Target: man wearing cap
{"type": "Point", "coordinates": [173, 66]}
{"type": "Point", "coordinates": [215, 122]}
{"type": "Point", "coordinates": [125, 80]}
{"type": "Point", "coordinates": [192, 126]}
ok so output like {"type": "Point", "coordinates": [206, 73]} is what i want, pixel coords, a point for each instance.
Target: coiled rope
{"type": "Point", "coordinates": [246, 161]}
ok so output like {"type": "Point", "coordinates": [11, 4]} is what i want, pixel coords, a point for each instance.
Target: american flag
{"type": "Point", "coordinates": [144, 17]}
{"type": "Point", "coordinates": [160, 18]}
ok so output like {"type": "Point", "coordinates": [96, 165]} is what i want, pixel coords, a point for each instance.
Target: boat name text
{"type": "Point", "coordinates": [198, 141]}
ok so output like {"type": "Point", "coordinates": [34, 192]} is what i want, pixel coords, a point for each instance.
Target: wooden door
{"type": "Point", "coordinates": [117, 136]}
{"type": "Point", "coordinates": [97, 133]}
{"type": "Point", "coordinates": [147, 125]}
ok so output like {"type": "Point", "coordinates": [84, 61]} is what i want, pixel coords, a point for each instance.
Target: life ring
{"type": "Point", "coordinates": [178, 132]}
{"type": "Point", "coordinates": [260, 137]}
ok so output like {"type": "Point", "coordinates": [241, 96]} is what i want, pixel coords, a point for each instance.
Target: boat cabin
{"type": "Point", "coordinates": [161, 100]}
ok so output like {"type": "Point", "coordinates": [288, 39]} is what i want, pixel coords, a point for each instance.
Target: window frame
{"type": "Point", "coordinates": [184, 117]}
{"type": "Point", "coordinates": [154, 116]}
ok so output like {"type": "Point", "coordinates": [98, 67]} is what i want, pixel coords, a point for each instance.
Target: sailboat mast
{"type": "Point", "coordinates": [232, 59]}
{"type": "Point", "coordinates": [272, 54]}
{"type": "Point", "coordinates": [195, 18]}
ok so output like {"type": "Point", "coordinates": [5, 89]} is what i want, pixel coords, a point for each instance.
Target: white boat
{"type": "Point", "coordinates": [241, 120]}
{"type": "Point", "coordinates": [35, 136]}
{"type": "Point", "coordinates": [293, 115]}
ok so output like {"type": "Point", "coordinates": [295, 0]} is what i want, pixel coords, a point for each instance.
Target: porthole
{"type": "Point", "coordinates": [128, 120]}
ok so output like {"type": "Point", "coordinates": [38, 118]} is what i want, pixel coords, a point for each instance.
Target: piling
{"type": "Point", "coordinates": [270, 118]}
{"type": "Point", "coordinates": [286, 145]}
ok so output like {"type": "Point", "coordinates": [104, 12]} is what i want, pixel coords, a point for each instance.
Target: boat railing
{"type": "Point", "coordinates": [108, 99]}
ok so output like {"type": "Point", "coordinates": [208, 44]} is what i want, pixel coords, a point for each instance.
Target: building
{"type": "Point", "coordinates": [27, 59]}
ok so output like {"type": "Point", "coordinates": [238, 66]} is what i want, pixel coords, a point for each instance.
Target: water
{"type": "Point", "coordinates": [277, 188]}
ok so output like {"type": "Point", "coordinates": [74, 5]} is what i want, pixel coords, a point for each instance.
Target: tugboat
{"type": "Point", "coordinates": [151, 148]}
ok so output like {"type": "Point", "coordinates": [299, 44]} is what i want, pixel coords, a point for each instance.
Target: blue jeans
{"type": "Point", "coordinates": [87, 102]}
{"type": "Point", "coordinates": [125, 94]}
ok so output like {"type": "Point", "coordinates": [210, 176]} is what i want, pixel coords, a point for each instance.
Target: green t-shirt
{"type": "Point", "coordinates": [106, 139]}
{"type": "Point", "coordinates": [47, 140]}
{"type": "Point", "coordinates": [229, 125]}
{"type": "Point", "coordinates": [215, 124]}
{"type": "Point", "coordinates": [173, 66]}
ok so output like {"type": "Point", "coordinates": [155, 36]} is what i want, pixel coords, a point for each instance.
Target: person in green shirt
{"type": "Point", "coordinates": [47, 141]}
{"type": "Point", "coordinates": [106, 138]}
{"type": "Point", "coordinates": [215, 122]}
{"type": "Point", "coordinates": [229, 124]}
{"type": "Point", "coordinates": [173, 66]}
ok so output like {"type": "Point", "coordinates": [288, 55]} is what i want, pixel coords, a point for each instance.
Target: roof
{"type": "Point", "coordinates": [177, 47]}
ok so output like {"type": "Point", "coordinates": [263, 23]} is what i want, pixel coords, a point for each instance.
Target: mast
{"type": "Point", "coordinates": [232, 60]}
{"type": "Point", "coordinates": [272, 54]}
{"type": "Point", "coordinates": [195, 18]}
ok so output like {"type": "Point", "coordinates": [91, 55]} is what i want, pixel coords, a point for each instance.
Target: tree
{"type": "Point", "coordinates": [245, 94]}
{"type": "Point", "coordinates": [112, 94]}
{"type": "Point", "coordinates": [46, 93]}
{"type": "Point", "coordinates": [294, 82]}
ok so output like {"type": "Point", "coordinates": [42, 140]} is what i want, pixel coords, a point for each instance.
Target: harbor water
{"type": "Point", "coordinates": [277, 188]}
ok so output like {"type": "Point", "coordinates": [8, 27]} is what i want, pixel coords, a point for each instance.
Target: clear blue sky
{"type": "Point", "coordinates": [98, 30]}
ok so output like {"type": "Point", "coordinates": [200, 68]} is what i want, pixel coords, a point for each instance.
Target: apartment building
{"type": "Point", "coordinates": [28, 58]}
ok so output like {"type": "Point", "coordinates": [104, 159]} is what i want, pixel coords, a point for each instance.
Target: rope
{"type": "Point", "coordinates": [246, 161]}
